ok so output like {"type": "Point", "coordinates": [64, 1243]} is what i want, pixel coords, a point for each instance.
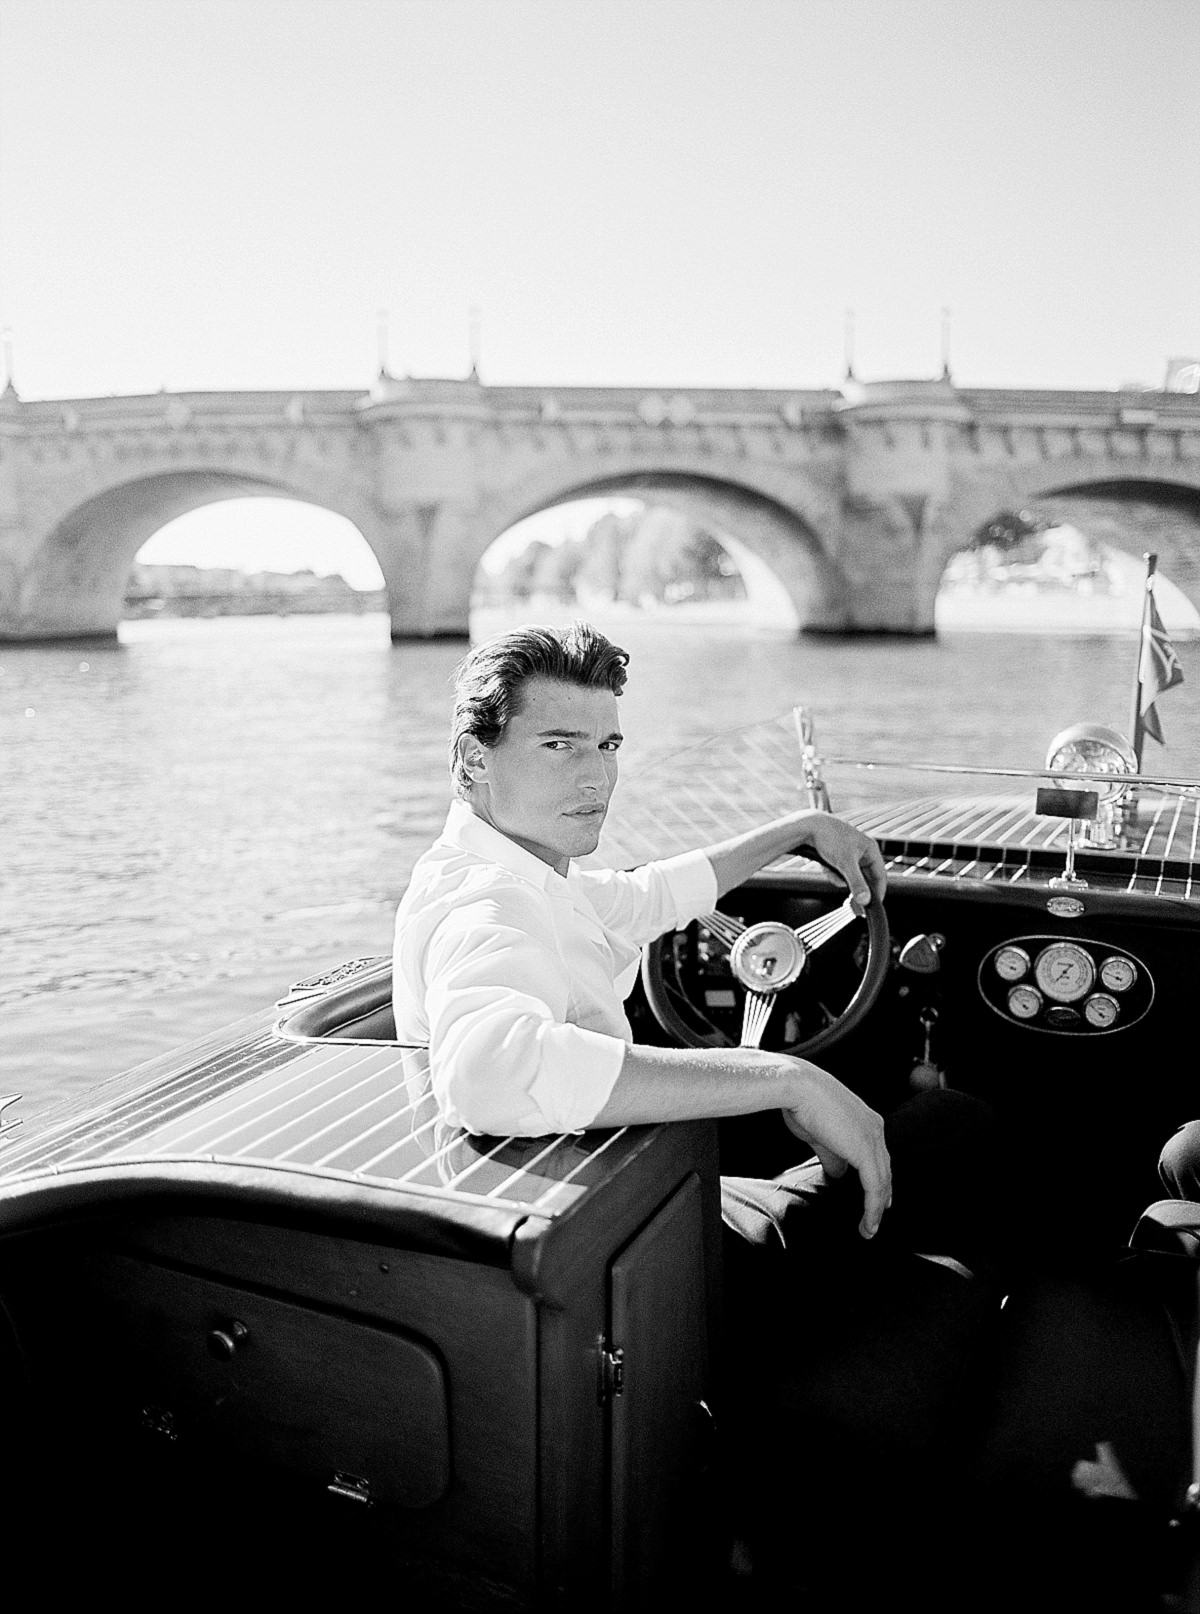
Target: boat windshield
{"type": "Point", "coordinates": [740, 778]}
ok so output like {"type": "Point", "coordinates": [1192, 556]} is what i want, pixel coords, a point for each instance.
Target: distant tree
{"type": "Point", "coordinates": [654, 553]}
{"type": "Point", "coordinates": [710, 568]}
{"type": "Point", "coordinates": [517, 578]}
{"type": "Point", "coordinates": [1010, 529]}
{"type": "Point", "coordinates": [650, 554]}
{"type": "Point", "coordinates": [557, 568]}
{"type": "Point", "coordinates": [604, 553]}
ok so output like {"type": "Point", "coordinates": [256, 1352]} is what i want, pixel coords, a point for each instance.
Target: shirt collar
{"type": "Point", "coordinates": [465, 830]}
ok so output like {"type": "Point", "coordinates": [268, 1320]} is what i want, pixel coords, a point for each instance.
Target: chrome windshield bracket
{"type": "Point", "coordinates": [814, 784]}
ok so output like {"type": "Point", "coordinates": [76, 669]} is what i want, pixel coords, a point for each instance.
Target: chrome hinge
{"type": "Point", "coordinates": [352, 1486]}
{"type": "Point", "coordinates": [610, 1375]}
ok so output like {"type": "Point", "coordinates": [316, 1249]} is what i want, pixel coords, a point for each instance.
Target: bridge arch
{"type": "Point", "coordinates": [1160, 512]}
{"type": "Point", "coordinates": [76, 580]}
{"type": "Point", "coordinates": [781, 522]}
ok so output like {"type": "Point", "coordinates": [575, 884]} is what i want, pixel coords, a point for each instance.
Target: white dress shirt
{"type": "Point", "coordinates": [515, 976]}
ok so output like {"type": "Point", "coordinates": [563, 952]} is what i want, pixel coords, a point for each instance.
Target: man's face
{"type": "Point", "coordinates": [547, 782]}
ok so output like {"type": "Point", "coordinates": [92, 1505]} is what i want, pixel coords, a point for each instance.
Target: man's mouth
{"type": "Point", "coordinates": [592, 809]}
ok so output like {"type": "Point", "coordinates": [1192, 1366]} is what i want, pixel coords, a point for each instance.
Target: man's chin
{"type": "Point", "coordinates": [585, 834]}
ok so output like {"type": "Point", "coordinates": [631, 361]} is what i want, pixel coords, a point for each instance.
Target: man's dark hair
{"type": "Point", "coordinates": [488, 683]}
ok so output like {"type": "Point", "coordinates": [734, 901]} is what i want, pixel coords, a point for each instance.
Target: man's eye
{"type": "Point", "coordinates": [610, 745]}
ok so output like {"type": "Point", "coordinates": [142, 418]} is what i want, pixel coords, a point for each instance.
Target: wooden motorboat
{"type": "Point", "coordinates": [266, 1320]}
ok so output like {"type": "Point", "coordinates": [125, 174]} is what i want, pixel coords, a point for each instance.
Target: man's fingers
{"type": "Point", "coordinates": [876, 871]}
{"type": "Point", "coordinates": [876, 1179]}
{"type": "Point", "coordinates": [870, 883]}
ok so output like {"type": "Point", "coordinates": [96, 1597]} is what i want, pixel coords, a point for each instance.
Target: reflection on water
{"type": "Point", "coordinates": [195, 818]}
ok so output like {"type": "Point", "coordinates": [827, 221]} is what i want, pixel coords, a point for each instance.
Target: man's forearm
{"type": "Point", "coordinates": [854, 856]}
{"type": "Point", "coordinates": [671, 1084]}
{"type": "Point", "coordinates": [687, 1084]}
{"type": "Point", "coordinates": [736, 859]}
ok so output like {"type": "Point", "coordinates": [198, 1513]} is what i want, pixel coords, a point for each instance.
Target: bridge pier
{"type": "Point", "coordinates": [426, 554]}
{"type": "Point", "coordinates": [57, 596]}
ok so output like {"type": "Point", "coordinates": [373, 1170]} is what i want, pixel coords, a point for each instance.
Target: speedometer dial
{"type": "Point", "coordinates": [1064, 972]}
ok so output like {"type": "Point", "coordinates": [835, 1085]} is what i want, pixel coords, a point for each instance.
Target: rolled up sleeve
{"type": "Point", "coordinates": [503, 1056]}
{"type": "Point", "coordinates": [641, 903]}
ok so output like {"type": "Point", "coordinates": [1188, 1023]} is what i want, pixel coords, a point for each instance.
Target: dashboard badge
{"type": "Point", "coordinates": [1065, 907]}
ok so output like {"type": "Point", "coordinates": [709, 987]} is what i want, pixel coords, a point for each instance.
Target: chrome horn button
{"type": "Point", "coordinates": [768, 957]}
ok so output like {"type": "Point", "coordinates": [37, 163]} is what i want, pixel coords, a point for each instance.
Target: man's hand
{"type": "Point", "coordinates": [844, 1132]}
{"type": "Point", "coordinates": [846, 850]}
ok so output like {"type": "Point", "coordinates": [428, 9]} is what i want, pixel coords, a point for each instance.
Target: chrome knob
{"type": "Point", "coordinates": [224, 1342]}
{"type": "Point", "coordinates": [923, 954]}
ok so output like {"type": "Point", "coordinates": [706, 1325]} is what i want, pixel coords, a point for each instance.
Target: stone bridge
{"type": "Point", "coordinates": [855, 498]}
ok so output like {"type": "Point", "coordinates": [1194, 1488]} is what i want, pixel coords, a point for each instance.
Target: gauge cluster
{"type": "Point", "coordinates": [1078, 986]}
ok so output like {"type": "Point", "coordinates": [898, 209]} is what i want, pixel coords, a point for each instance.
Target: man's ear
{"type": "Point", "coordinates": [472, 753]}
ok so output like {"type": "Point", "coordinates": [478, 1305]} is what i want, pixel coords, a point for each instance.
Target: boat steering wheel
{"type": "Point", "coordinates": [722, 961]}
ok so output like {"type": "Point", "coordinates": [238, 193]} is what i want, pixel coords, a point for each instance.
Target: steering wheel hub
{"type": "Point", "coordinates": [768, 957]}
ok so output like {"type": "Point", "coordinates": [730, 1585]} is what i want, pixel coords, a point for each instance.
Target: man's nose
{"type": "Point", "coordinates": [595, 773]}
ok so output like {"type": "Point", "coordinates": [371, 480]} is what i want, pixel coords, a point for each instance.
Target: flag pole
{"type": "Point", "coordinates": [1136, 724]}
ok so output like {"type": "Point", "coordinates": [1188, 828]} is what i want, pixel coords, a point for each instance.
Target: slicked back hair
{"type": "Point", "coordinates": [488, 683]}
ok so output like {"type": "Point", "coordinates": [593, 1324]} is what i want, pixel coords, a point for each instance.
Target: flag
{"type": "Point", "coordinates": [1158, 669]}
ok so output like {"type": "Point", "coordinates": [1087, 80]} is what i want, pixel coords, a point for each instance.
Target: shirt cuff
{"type": "Point", "coordinates": [692, 883]}
{"type": "Point", "coordinates": [577, 1071]}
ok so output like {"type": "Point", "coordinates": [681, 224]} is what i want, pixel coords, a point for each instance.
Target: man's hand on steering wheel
{"type": "Point", "coordinates": [853, 856]}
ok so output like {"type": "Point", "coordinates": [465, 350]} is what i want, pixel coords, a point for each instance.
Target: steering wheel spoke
{"type": "Point", "coordinates": [721, 927]}
{"type": "Point", "coordinates": [756, 1011]}
{"type": "Point", "coordinates": [819, 931]}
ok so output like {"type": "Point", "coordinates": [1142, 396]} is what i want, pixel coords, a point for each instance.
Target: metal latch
{"type": "Point", "coordinates": [610, 1377]}
{"type": "Point", "coordinates": [352, 1486]}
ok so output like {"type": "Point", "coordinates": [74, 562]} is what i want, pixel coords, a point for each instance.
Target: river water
{"type": "Point", "coordinates": [195, 818]}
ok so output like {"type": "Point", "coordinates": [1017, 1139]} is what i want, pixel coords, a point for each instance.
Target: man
{"type": "Point", "coordinates": [512, 965]}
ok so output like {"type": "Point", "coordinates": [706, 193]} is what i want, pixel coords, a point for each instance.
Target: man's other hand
{"type": "Point", "coordinates": [844, 1133]}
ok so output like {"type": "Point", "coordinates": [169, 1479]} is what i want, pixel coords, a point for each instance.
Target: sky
{"type": "Point", "coordinates": [211, 194]}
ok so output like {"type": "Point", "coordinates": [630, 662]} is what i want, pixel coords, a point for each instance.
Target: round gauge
{"type": "Point", "coordinates": [1101, 1011]}
{"type": "Point", "coordinates": [1011, 963]}
{"type": "Point", "coordinates": [1064, 972]}
{"type": "Point", "coordinates": [1118, 974]}
{"type": "Point", "coordinates": [1092, 748]}
{"type": "Point", "coordinates": [1024, 1003]}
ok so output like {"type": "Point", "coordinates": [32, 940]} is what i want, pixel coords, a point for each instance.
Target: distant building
{"type": "Point", "coordinates": [219, 591]}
